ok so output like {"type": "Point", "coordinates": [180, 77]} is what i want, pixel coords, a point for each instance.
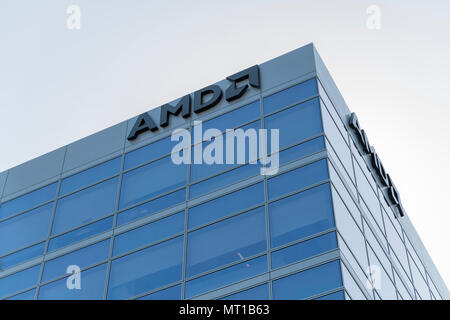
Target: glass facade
{"type": "Point", "coordinates": [141, 227]}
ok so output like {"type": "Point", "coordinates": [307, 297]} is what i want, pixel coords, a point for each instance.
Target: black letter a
{"type": "Point", "coordinates": [143, 123]}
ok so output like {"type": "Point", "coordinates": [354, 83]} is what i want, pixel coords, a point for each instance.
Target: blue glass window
{"type": "Point", "coordinates": [172, 293]}
{"type": "Point", "coordinates": [297, 123]}
{"type": "Point", "coordinates": [226, 241]}
{"type": "Point", "coordinates": [151, 180]}
{"type": "Point", "coordinates": [151, 207]}
{"type": "Point", "coordinates": [21, 256]}
{"type": "Point", "coordinates": [226, 205]}
{"type": "Point", "coordinates": [80, 233]}
{"type": "Point", "coordinates": [290, 95]}
{"type": "Point", "coordinates": [309, 282]}
{"type": "Point", "coordinates": [257, 293]}
{"type": "Point", "coordinates": [29, 295]}
{"type": "Point", "coordinates": [303, 250]}
{"type": "Point", "coordinates": [28, 201]}
{"type": "Point", "coordinates": [85, 206]}
{"type": "Point", "coordinates": [90, 176]}
{"type": "Point", "coordinates": [301, 215]}
{"type": "Point", "coordinates": [339, 295]}
{"type": "Point", "coordinates": [19, 281]}
{"type": "Point", "coordinates": [203, 170]}
{"type": "Point", "coordinates": [25, 229]}
{"type": "Point", "coordinates": [298, 179]}
{"type": "Point", "coordinates": [83, 258]}
{"type": "Point", "coordinates": [224, 179]}
{"type": "Point", "coordinates": [146, 270]}
{"type": "Point", "coordinates": [234, 118]}
{"type": "Point", "coordinates": [150, 152]}
{"type": "Point", "coordinates": [149, 233]}
{"type": "Point", "coordinates": [302, 150]}
{"type": "Point", "coordinates": [92, 286]}
{"type": "Point", "coordinates": [226, 276]}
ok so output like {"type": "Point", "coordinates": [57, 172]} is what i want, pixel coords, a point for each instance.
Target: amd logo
{"type": "Point", "coordinates": [204, 99]}
{"type": "Point", "coordinates": [390, 191]}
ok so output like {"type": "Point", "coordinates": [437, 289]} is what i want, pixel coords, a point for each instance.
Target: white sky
{"type": "Point", "coordinates": [59, 85]}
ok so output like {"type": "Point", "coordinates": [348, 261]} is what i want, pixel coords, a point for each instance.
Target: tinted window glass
{"type": "Point", "coordinates": [28, 201]}
{"type": "Point", "coordinates": [87, 177]}
{"type": "Point", "coordinates": [80, 233]}
{"type": "Point", "coordinates": [149, 233]}
{"type": "Point", "coordinates": [304, 250]}
{"type": "Point", "coordinates": [21, 256]}
{"type": "Point", "coordinates": [257, 293]}
{"type": "Point", "coordinates": [172, 293]}
{"type": "Point", "coordinates": [298, 179]}
{"type": "Point", "coordinates": [146, 270]}
{"type": "Point", "coordinates": [308, 283]}
{"type": "Point", "coordinates": [226, 241]}
{"type": "Point", "coordinates": [224, 179]}
{"type": "Point", "coordinates": [19, 281]}
{"type": "Point", "coordinates": [145, 154]}
{"type": "Point", "coordinates": [151, 180]}
{"type": "Point", "coordinates": [301, 215]}
{"type": "Point", "coordinates": [25, 229]}
{"type": "Point", "coordinates": [226, 276]}
{"type": "Point", "coordinates": [85, 206]}
{"type": "Point", "coordinates": [225, 205]}
{"type": "Point", "coordinates": [297, 123]}
{"type": "Point", "coordinates": [151, 207]}
{"type": "Point", "coordinates": [203, 170]}
{"type": "Point", "coordinates": [83, 258]}
{"type": "Point", "coordinates": [29, 295]}
{"type": "Point", "coordinates": [339, 295]}
{"type": "Point", "coordinates": [302, 150]}
{"type": "Point", "coordinates": [290, 95]}
{"type": "Point", "coordinates": [92, 287]}
{"type": "Point", "coordinates": [233, 119]}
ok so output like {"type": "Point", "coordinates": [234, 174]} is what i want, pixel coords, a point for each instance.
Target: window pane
{"type": "Point", "coordinates": [151, 207]}
{"type": "Point", "coordinates": [226, 241]}
{"type": "Point", "coordinates": [333, 296]}
{"type": "Point", "coordinates": [226, 276]}
{"type": "Point", "coordinates": [25, 229]}
{"type": "Point", "coordinates": [298, 179]}
{"type": "Point", "coordinates": [83, 258]}
{"type": "Point", "coordinates": [145, 154]}
{"type": "Point", "coordinates": [308, 283]}
{"type": "Point", "coordinates": [28, 201]}
{"type": "Point", "coordinates": [151, 180]}
{"type": "Point", "coordinates": [29, 295]}
{"type": "Point", "coordinates": [172, 293]}
{"type": "Point", "coordinates": [226, 205]}
{"type": "Point", "coordinates": [85, 206]}
{"type": "Point", "coordinates": [149, 233]}
{"type": "Point", "coordinates": [19, 281]}
{"type": "Point", "coordinates": [303, 250]}
{"type": "Point", "coordinates": [146, 270]}
{"type": "Point", "coordinates": [87, 177]}
{"type": "Point", "coordinates": [224, 179]}
{"type": "Point", "coordinates": [257, 293]}
{"type": "Point", "coordinates": [297, 123]}
{"type": "Point", "coordinates": [203, 170]}
{"type": "Point", "coordinates": [290, 95]}
{"type": "Point", "coordinates": [21, 256]}
{"type": "Point", "coordinates": [301, 215]}
{"type": "Point", "coordinates": [92, 287]}
{"type": "Point", "coordinates": [80, 234]}
{"type": "Point", "coordinates": [233, 119]}
{"type": "Point", "coordinates": [302, 150]}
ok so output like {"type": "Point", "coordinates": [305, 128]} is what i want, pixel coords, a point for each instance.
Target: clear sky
{"type": "Point", "coordinates": [58, 85]}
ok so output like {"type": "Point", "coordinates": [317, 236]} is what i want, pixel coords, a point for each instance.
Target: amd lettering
{"type": "Point", "coordinates": [204, 99]}
{"type": "Point", "coordinates": [390, 191]}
